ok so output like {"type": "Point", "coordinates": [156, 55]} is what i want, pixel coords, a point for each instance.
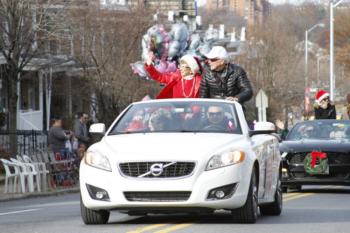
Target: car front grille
{"type": "Point", "coordinates": [338, 158]}
{"type": "Point", "coordinates": [334, 158]}
{"type": "Point", "coordinates": [297, 158]}
{"type": "Point", "coordinates": [339, 165]}
{"type": "Point", "coordinates": [137, 169]}
{"type": "Point", "coordinates": [157, 196]}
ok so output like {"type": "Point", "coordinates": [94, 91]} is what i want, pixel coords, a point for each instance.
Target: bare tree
{"type": "Point", "coordinates": [273, 61]}
{"type": "Point", "coordinates": [342, 43]}
{"type": "Point", "coordinates": [25, 26]}
{"type": "Point", "coordinates": [299, 18]}
{"type": "Point", "coordinates": [274, 64]}
{"type": "Point", "coordinates": [110, 40]}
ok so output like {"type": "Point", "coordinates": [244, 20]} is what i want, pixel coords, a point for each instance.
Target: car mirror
{"type": "Point", "coordinates": [283, 136]}
{"type": "Point", "coordinates": [278, 136]}
{"type": "Point", "coordinates": [263, 128]}
{"type": "Point", "coordinates": [98, 128]}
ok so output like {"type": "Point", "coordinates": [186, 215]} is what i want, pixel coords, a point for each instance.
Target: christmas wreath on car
{"type": "Point", "coordinates": [316, 163]}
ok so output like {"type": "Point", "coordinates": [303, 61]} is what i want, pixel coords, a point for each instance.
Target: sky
{"type": "Point", "coordinates": [202, 2]}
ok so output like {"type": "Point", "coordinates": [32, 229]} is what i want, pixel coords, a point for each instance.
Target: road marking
{"type": "Point", "coordinates": [147, 228]}
{"type": "Point", "coordinates": [174, 228]}
{"type": "Point", "coordinates": [18, 212]}
{"type": "Point", "coordinates": [298, 196]}
{"type": "Point", "coordinates": [290, 194]}
{"type": "Point", "coordinates": [54, 204]}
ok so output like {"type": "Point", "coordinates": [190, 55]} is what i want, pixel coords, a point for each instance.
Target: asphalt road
{"type": "Point", "coordinates": [320, 209]}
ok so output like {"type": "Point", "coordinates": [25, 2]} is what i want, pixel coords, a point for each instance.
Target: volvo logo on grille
{"type": "Point", "coordinates": [156, 169]}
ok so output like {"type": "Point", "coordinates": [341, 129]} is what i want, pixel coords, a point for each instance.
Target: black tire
{"type": "Point", "coordinates": [274, 208]}
{"type": "Point", "coordinates": [93, 216]}
{"type": "Point", "coordinates": [248, 213]}
{"type": "Point", "coordinates": [285, 189]}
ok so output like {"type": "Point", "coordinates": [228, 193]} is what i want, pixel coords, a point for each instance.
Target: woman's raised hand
{"type": "Point", "coordinates": [150, 58]}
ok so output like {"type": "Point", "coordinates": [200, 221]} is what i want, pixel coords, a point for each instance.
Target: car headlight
{"type": "Point", "coordinates": [225, 159]}
{"type": "Point", "coordinates": [97, 160]}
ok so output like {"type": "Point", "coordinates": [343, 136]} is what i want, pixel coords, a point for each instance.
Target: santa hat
{"type": "Point", "coordinates": [192, 62]}
{"type": "Point", "coordinates": [320, 95]}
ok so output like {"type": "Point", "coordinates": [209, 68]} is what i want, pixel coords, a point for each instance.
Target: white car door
{"type": "Point", "coordinates": [260, 150]}
{"type": "Point", "coordinates": [265, 150]}
{"type": "Point", "coordinates": [269, 181]}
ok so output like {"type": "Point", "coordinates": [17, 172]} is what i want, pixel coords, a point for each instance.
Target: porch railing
{"type": "Point", "coordinates": [27, 140]}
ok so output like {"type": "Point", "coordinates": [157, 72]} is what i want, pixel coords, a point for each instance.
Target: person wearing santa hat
{"type": "Point", "coordinates": [183, 83]}
{"type": "Point", "coordinates": [323, 107]}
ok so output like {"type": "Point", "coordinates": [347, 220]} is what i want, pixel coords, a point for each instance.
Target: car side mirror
{"type": "Point", "coordinates": [98, 128]}
{"type": "Point", "coordinates": [263, 127]}
{"type": "Point", "coordinates": [278, 136]}
{"type": "Point", "coordinates": [283, 136]}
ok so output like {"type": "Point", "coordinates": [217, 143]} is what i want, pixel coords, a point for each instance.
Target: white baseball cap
{"type": "Point", "coordinates": [218, 52]}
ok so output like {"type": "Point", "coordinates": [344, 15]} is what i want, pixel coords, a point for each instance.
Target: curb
{"type": "Point", "coordinates": [42, 194]}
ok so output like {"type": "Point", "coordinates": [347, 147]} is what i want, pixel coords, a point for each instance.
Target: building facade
{"type": "Point", "coordinates": [163, 6]}
{"type": "Point", "coordinates": [252, 10]}
{"type": "Point", "coordinates": [46, 87]}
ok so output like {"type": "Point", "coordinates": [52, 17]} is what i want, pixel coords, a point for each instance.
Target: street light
{"type": "Point", "coordinates": [319, 58]}
{"type": "Point", "coordinates": [307, 91]}
{"type": "Point", "coordinates": [331, 51]}
{"type": "Point", "coordinates": [306, 50]}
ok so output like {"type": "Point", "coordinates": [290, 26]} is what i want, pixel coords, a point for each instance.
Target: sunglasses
{"type": "Point", "coordinates": [214, 114]}
{"type": "Point", "coordinates": [324, 100]}
{"type": "Point", "coordinates": [213, 60]}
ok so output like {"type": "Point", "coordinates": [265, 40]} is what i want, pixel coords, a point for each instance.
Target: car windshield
{"type": "Point", "coordinates": [178, 116]}
{"type": "Point", "coordinates": [323, 130]}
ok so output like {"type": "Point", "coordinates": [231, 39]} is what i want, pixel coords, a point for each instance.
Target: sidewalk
{"type": "Point", "coordinates": [49, 192]}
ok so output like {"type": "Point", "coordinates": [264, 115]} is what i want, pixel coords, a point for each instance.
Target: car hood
{"type": "Point", "coordinates": [317, 145]}
{"type": "Point", "coordinates": [167, 146]}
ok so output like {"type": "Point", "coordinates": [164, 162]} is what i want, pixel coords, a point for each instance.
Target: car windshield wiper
{"type": "Point", "coordinates": [173, 131]}
{"type": "Point", "coordinates": [187, 131]}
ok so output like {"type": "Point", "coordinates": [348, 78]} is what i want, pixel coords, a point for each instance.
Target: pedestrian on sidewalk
{"type": "Point", "coordinates": [81, 129]}
{"type": "Point", "coordinates": [57, 136]}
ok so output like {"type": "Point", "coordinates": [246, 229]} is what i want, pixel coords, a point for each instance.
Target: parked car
{"type": "Point", "coordinates": [316, 152]}
{"type": "Point", "coordinates": [182, 155]}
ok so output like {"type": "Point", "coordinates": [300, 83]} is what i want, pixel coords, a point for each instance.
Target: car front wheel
{"type": "Point", "coordinates": [90, 216]}
{"type": "Point", "coordinates": [274, 208]}
{"type": "Point", "coordinates": [248, 213]}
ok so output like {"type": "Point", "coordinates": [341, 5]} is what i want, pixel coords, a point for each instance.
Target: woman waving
{"type": "Point", "coordinates": [183, 83]}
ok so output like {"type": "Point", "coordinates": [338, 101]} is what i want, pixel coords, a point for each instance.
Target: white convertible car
{"type": "Point", "coordinates": [182, 156]}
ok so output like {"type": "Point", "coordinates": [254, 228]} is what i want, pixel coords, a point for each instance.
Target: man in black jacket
{"type": "Point", "coordinates": [223, 79]}
{"type": "Point", "coordinates": [80, 129]}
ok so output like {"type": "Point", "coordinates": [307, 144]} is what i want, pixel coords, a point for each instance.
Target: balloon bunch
{"type": "Point", "coordinates": [156, 40]}
{"type": "Point", "coordinates": [169, 48]}
{"type": "Point", "coordinates": [179, 40]}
